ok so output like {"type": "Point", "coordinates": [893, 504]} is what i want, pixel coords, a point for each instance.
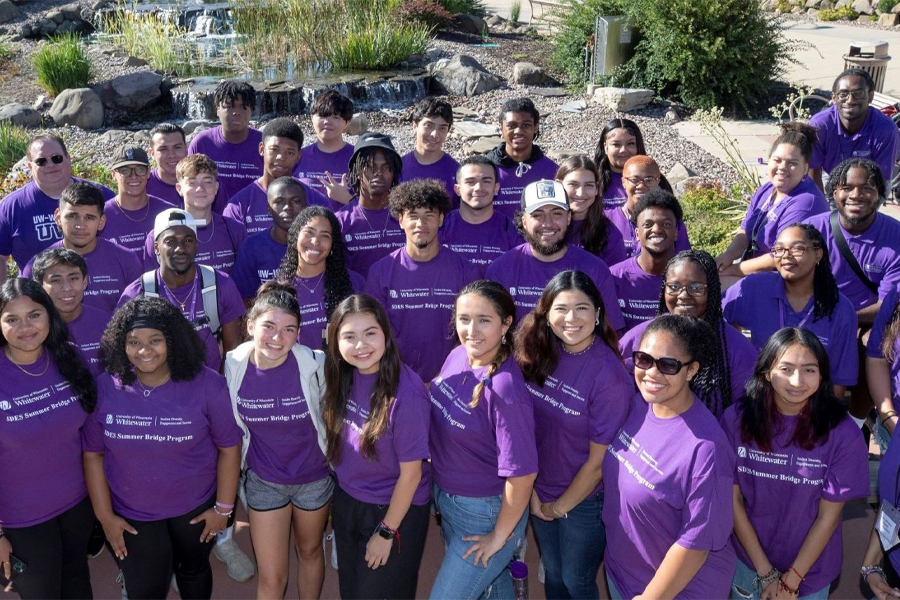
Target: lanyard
{"type": "Point", "coordinates": [806, 313]}
{"type": "Point", "coordinates": [762, 217]}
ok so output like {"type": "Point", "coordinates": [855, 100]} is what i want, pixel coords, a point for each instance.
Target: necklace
{"type": "Point", "coordinates": [187, 297]}
{"type": "Point", "coordinates": [311, 290]}
{"type": "Point", "coordinates": [27, 372]}
{"type": "Point", "coordinates": [147, 391]}
{"type": "Point", "coordinates": [387, 219]}
{"type": "Point", "coordinates": [212, 231]}
{"type": "Point", "coordinates": [125, 211]}
{"type": "Point", "coordinates": [579, 353]}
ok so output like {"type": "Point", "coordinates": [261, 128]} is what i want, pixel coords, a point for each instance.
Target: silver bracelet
{"type": "Point", "coordinates": [216, 510]}
{"type": "Point", "coordinates": [867, 570]}
{"type": "Point", "coordinates": [770, 577]}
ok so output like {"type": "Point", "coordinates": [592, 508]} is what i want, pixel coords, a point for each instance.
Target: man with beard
{"type": "Point", "coordinates": [655, 219]}
{"type": "Point", "coordinates": [417, 284]}
{"type": "Point", "coordinates": [526, 269]}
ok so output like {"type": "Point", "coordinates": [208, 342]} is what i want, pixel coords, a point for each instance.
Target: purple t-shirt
{"type": "Point", "coordinates": [525, 277]}
{"type": "Point", "coordinates": [250, 206]}
{"type": "Point", "coordinates": [86, 331]}
{"type": "Point", "coordinates": [238, 164]}
{"type": "Point", "coordinates": [759, 303]}
{"type": "Point", "coordinates": [873, 348]}
{"type": "Point", "coordinates": [284, 445]}
{"type": "Point", "coordinates": [314, 163]}
{"type": "Point", "coordinates": [474, 450]}
{"type": "Point", "coordinates": [876, 251]}
{"type": "Point", "coordinates": [480, 244]}
{"type": "Point", "coordinates": [584, 400]}
{"type": "Point", "coordinates": [228, 299]}
{"type": "Point", "coordinates": [217, 244]}
{"type": "Point", "coordinates": [669, 481]}
{"type": "Point", "coordinates": [404, 439]}
{"type": "Point", "coordinates": [258, 259]}
{"type": "Point", "coordinates": [159, 188]}
{"type": "Point", "coordinates": [40, 444]}
{"type": "Point", "coordinates": [513, 180]}
{"type": "Point", "coordinates": [369, 235]}
{"type": "Point", "coordinates": [877, 140]}
{"type": "Point", "coordinates": [444, 169]}
{"type": "Point", "coordinates": [129, 228]}
{"type": "Point", "coordinates": [311, 297]}
{"type": "Point", "coordinates": [741, 359]}
{"type": "Point", "coordinates": [160, 451]}
{"type": "Point", "coordinates": [110, 268]}
{"type": "Point", "coordinates": [26, 221]}
{"type": "Point", "coordinates": [763, 224]}
{"type": "Point", "coordinates": [786, 485]}
{"type": "Point", "coordinates": [419, 298]}
{"type": "Point", "coordinates": [614, 195]}
{"type": "Point", "coordinates": [638, 292]}
{"type": "Point", "coordinates": [888, 483]}
{"type": "Point", "coordinates": [629, 237]}
{"type": "Point", "coordinates": [614, 252]}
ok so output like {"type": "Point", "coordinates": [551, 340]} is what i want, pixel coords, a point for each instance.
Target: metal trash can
{"type": "Point", "coordinates": [871, 56]}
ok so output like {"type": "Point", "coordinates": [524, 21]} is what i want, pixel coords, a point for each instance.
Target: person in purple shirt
{"type": "Point", "coordinates": [63, 275]}
{"type": "Point", "coordinates": [692, 289]}
{"type": "Point", "coordinates": [570, 359]}
{"type": "Point", "coordinates": [162, 451]}
{"type": "Point", "coordinates": [80, 218]}
{"type": "Point", "coordinates": [130, 215]}
{"type": "Point", "coordinates": [483, 454]}
{"type": "Point", "coordinates": [220, 237]}
{"type": "Point", "coordinates": [323, 165]}
{"type": "Point", "coordinates": [801, 293]}
{"type": "Point", "coordinates": [789, 196]}
{"type": "Point", "coordinates": [233, 145]}
{"type": "Point", "coordinates": [591, 229]}
{"type": "Point", "coordinates": [639, 279]}
{"type": "Point", "coordinates": [800, 459]}
{"type": "Point", "coordinates": [879, 570]}
{"type": "Point", "coordinates": [432, 119]}
{"type": "Point", "coordinates": [418, 283]}
{"type": "Point", "coordinates": [519, 161]}
{"type": "Point", "coordinates": [526, 269]}
{"type": "Point", "coordinates": [375, 410]}
{"type": "Point", "coordinates": [260, 254]}
{"type": "Point", "coordinates": [883, 361]}
{"type": "Point", "coordinates": [26, 215]}
{"type": "Point", "coordinates": [276, 386]}
{"type": "Point", "coordinates": [475, 230]}
{"type": "Point", "coordinates": [46, 395]}
{"type": "Point", "coordinates": [668, 476]}
{"type": "Point", "coordinates": [619, 140]}
{"type": "Point", "coordinates": [851, 128]}
{"type": "Point", "coordinates": [370, 232]}
{"type": "Point", "coordinates": [315, 265]}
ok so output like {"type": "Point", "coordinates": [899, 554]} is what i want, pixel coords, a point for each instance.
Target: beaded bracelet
{"type": "Point", "coordinates": [221, 514]}
{"type": "Point", "coordinates": [764, 581]}
{"type": "Point", "coordinates": [789, 590]}
{"type": "Point", "coordinates": [867, 570]}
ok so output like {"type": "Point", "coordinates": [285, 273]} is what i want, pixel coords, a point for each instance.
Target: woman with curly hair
{"type": "Point", "coordinates": [800, 293]}
{"type": "Point", "coordinates": [315, 265]}
{"type": "Point", "coordinates": [691, 288]}
{"type": "Point", "coordinates": [570, 358]}
{"type": "Point", "coordinates": [162, 452]}
{"type": "Point", "coordinates": [46, 395]}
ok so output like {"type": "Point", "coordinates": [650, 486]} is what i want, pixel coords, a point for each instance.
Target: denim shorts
{"type": "Point", "coordinates": [264, 495]}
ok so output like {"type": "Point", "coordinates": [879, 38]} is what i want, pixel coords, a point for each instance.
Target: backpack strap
{"type": "Point", "coordinates": [847, 255]}
{"type": "Point", "coordinates": [148, 284]}
{"type": "Point", "coordinates": [210, 300]}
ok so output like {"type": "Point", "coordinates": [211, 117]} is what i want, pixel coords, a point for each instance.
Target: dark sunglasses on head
{"type": "Point", "coordinates": [56, 158]}
{"type": "Point", "coordinates": [665, 365]}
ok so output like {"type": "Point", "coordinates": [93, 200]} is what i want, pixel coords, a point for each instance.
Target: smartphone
{"type": "Point", "coordinates": [16, 567]}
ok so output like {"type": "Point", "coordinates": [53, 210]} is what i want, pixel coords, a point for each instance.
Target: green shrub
{"type": "Point", "coordinates": [62, 63]}
{"type": "Point", "coordinates": [711, 216]}
{"type": "Point", "coordinates": [575, 30]}
{"type": "Point", "coordinates": [885, 6]}
{"type": "Point", "coordinates": [86, 167]}
{"type": "Point", "coordinates": [783, 6]}
{"type": "Point", "coordinates": [515, 10]}
{"type": "Point", "coordinates": [13, 143]}
{"type": "Point", "coordinates": [463, 7]}
{"type": "Point", "coordinates": [844, 13]}
{"type": "Point", "coordinates": [163, 44]}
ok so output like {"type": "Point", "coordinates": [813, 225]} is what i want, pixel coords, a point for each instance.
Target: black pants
{"type": "Point", "coordinates": [55, 553]}
{"type": "Point", "coordinates": [162, 547]}
{"type": "Point", "coordinates": [354, 523]}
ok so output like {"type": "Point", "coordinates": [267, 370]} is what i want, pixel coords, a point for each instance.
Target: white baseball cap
{"type": "Point", "coordinates": [543, 193]}
{"type": "Point", "coordinates": [173, 217]}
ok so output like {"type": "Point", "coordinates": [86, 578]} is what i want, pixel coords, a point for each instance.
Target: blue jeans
{"type": "Point", "coordinates": [572, 550]}
{"type": "Point", "coordinates": [462, 516]}
{"type": "Point", "coordinates": [743, 579]}
{"type": "Point", "coordinates": [613, 592]}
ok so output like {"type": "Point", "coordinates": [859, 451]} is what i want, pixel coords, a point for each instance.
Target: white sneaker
{"type": "Point", "coordinates": [239, 566]}
{"type": "Point", "coordinates": [174, 585]}
{"type": "Point", "coordinates": [120, 579]}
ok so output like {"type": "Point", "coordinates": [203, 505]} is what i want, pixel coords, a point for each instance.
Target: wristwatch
{"type": "Point", "coordinates": [385, 532]}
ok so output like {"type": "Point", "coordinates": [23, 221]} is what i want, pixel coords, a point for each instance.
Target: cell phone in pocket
{"type": "Point", "coordinates": [16, 567]}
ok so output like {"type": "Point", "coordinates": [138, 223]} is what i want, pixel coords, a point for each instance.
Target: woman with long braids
{"type": "Point", "coordinates": [162, 452]}
{"type": "Point", "coordinates": [46, 395]}
{"type": "Point", "coordinates": [800, 293]}
{"type": "Point", "coordinates": [800, 458]}
{"type": "Point", "coordinates": [483, 451]}
{"type": "Point", "coordinates": [619, 140]}
{"type": "Point", "coordinates": [691, 288]}
{"type": "Point", "coordinates": [569, 356]}
{"type": "Point", "coordinates": [315, 265]}
{"type": "Point", "coordinates": [376, 421]}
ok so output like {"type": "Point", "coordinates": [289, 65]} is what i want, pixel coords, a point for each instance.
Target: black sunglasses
{"type": "Point", "coordinates": [56, 158]}
{"type": "Point", "coordinates": [665, 365]}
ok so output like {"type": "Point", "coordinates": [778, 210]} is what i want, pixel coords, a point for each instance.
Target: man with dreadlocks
{"type": "Point", "coordinates": [370, 232]}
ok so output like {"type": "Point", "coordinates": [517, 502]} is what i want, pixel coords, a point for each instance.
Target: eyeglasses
{"type": "Point", "coordinates": [857, 94]}
{"type": "Point", "coordinates": [648, 181]}
{"type": "Point", "coordinates": [693, 289]}
{"type": "Point", "coordinates": [139, 170]}
{"type": "Point", "coordinates": [665, 365]}
{"type": "Point", "coordinates": [795, 251]}
{"type": "Point", "coordinates": [56, 159]}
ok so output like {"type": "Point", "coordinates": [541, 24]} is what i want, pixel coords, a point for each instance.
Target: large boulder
{"type": "Point", "coordinates": [888, 19]}
{"type": "Point", "coordinates": [623, 99]}
{"type": "Point", "coordinates": [21, 115]}
{"type": "Point", "coordinates": [470, 24]}
{"type": "Point", "coordinates": [131, 92]}
{"type": "Point", "coordinates": [80, 107]}
{"type": "Point", "coordinates": [526, 73]}
{"type": "Point", "coordinates": [863, 7]}
{"type": "Point", "coordinates": [8, 11]}
{"type": "Point", "coordinates": [462, 75]}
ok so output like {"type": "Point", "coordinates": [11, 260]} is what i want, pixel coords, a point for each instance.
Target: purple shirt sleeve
{"type": "Point", "coordinates": [708, 514]}
{"type": "Point", "coordinates": [223, 428]}
{"type": "Point", "coordinates": [409, 420]}
{"type": "Point", "coordinates": [513, 429]}
{"type": "Point", "coordinates": [373, 281]}
{"type": "Point", "coordinates": [873, 348]}
{"type": "Point", "coordinates": [233, 211]}
{"type": "Point", "coordinates": [231, 306]}
{"type": "Point", "coordinates": [92, 435]}
{"type": "Point", "coordinates": [608, 406]}
{"type": "Point", "coordinates": [607, 287]}
{"type": "Point", "coordinates": [847, 477]}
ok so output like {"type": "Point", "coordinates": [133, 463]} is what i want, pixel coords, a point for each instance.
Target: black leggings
{"type": "Point", "coordinates": [162, 547]}
{"type": "Point", "coordinates": [55, 553]}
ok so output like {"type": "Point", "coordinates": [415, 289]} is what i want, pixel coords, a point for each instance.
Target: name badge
{"type": "Point", "coordinates": [771, 215]}
{"type": "Point", "coordinates": [888, 525]}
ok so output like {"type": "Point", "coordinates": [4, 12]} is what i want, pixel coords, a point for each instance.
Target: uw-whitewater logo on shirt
{"type": "Point", "coordinates": [393, 293]}
{"type": "Point", "coordinates": [742, 452]}
{"type": "Point", "coordinates": [348, 238]}
{"type": "Point", "coordinates": [248, 219]}
{"type": "Point", "coordinates": [109, 419]}
{"type": "Point", "coordinates": [512, 291]}
{"type": "Point", "coordinates": [4, 405]}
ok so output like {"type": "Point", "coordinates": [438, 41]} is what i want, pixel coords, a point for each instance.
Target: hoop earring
{"type": "Point", "coordinates": [597, 322]}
